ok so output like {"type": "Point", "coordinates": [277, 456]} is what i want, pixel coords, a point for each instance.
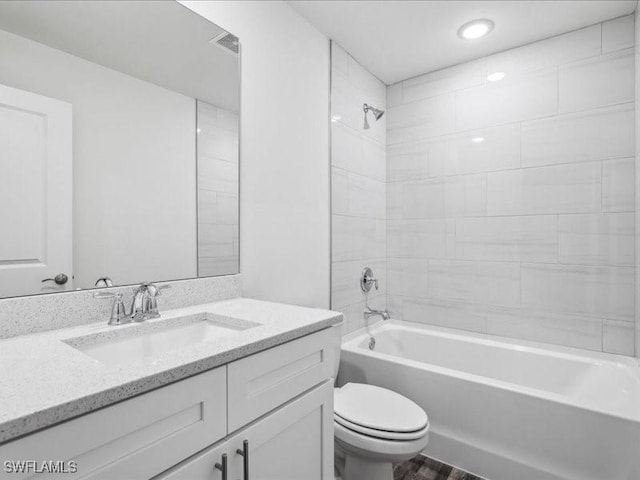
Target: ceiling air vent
{"type": "Point", "coordinates": [228, 41]}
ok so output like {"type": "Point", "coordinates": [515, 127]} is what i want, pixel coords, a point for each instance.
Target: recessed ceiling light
{"type": "Point", "coordinates": [495, 76]}
{"type": "Point", "coordinates": [335, 118]}
{"type": "Point", "coordinates": [477, 139]}
{"type": "Point", "coordinates": [475, 29]}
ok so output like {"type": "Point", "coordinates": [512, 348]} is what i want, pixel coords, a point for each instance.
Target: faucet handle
{"type": "Point", "coordinates": [368, 280]}
{"type": "Point", "coordinates": [104, 282]}
{"type": "Point", "coordinates": [151, 302]}
{"type": "Point", "coordinates": [118, 310]}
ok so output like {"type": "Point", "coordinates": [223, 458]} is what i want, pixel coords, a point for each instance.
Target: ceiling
{"type": "Point", "coordinates": [161, 42]}
{"type": "Point", "coordinates": [396, 40]}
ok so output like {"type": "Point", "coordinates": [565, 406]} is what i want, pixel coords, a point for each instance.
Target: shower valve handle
{"type": "Point", "coordinates": [368, 280]}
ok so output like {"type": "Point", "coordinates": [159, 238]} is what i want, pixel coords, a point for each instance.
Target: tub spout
{"type": "Point", "coordinates": [370, 312]}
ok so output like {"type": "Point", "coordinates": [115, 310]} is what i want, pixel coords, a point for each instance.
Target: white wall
{"type": "Point", "coordinates": [129, 136]}
{"type": "Point", "coordinates": [358, 188]}
{"type": "Point", "coordinates": [528, 231]}
{"type": "Point", "coordinates": [284, 144]}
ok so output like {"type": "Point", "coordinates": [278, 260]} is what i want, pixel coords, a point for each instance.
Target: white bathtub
{"type": "Point", "coordinates": [508, 409]}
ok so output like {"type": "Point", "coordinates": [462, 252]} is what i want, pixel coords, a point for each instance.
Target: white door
{"type": "Point", "coordinates": [35, 193]}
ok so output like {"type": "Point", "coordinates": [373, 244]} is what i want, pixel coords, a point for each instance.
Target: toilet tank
{"type": "Point", "coordinates": [337, 344]}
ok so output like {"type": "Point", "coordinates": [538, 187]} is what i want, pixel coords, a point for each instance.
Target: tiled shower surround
{"type": "Point", "coordinates": [358, 187]}
{"type": "Point", "coordinates": [511, 204]}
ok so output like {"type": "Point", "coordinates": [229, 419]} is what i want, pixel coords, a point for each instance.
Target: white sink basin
{"type": "Point", "coordinates": [149, 340]}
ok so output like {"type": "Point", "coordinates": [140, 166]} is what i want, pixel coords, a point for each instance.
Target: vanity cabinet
{"type": "Point", "coordinates": [280, 401]}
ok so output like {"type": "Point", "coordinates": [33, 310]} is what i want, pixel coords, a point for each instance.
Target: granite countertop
{"type": "Point", "coordinates": [45, 380]}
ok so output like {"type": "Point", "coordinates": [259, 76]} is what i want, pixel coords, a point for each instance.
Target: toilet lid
{"type": "Point", "coordinates": [378, 408]}
{"type": "Point", "coordinates": [382, 434]}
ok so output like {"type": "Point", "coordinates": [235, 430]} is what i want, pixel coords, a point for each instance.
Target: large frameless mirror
{"type": "Point", "coordinates": [119, 133]}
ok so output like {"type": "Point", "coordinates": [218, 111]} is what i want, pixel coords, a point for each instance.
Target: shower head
{"type": "Point", "coordinates": [377, 113]}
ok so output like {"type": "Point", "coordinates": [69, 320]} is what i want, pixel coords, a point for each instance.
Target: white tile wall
{"type": "Point", "coordinates": [531, 238]}
{"type": "Point", "coordinates": [561, 329]}
{"type": "Point", "coordinates": [618, 34]}
{"type": "Point", "coordinates": [591, 135]}
{"type": "Point", "coordinates": [358, 238]}
{"type": "Point", "coordinates": [494, 148]}
{"type": "Point", "coordinates": [597, 239]}
{"type": "Point", "coordinates": [466, 75]}
{"type": "Point", "coordinates": [554, 189]}
{"type": "Point", "coordinates": [617, 337]}
{"type": "Point", "coordinates": [597, 82]}
{"type": "Point", "coordinates": [490, 283]}
{"type": "Point", "coordinates": [354, 153]}
{"type": "Point", "coordinates": [408, 162]}
{"type": "Point", "coordinates": [424, 198]}
{"type": "Point", "coordinates": [510, 205]}
{"type": "Point", "coordinates": [466, 195]}
{"type": "Point", "coordinates": [523, 96]}
{"type": "Point", "coordinates": [218, 187]}
{"type": "Point", "coordinates": [618, 185]}
{"type": "Point", "coordinates": [421, 119]}
{"type": "Point", "coordinates": [443, 313]}
{"type": "Point", "coordinates": [570, 47]}
{"type": "Point", "coordinates": [604, 292]}
{"type": "Point", "coordinates": [429, 238]}
{"type": "Point", "coordinates": [407, 276]}
{"type": "Point", "coordinates": [359, 173]}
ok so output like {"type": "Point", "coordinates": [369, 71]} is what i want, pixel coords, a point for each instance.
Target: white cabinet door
{"type": "Point", "coordinates": [35, 192]}
{"type": "Point", "coordinates": [293, 443]}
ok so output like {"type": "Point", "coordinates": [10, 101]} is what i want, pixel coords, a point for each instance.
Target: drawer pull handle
{"type": "Point", "coordinates": [223, 466]}
{"type": "Point", "coordinates": [245, 458]}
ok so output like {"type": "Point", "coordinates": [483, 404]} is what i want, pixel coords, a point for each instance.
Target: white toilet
{"type": "Point", "coordinates": [373, 428]}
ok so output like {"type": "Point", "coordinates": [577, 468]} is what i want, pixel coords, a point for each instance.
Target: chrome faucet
{"type": "Point", "coordinates": [371, 312]}
{"type": "Point", "coordinates": [143, 307]}
{"type": "Point", "coordinates": [145, 303]}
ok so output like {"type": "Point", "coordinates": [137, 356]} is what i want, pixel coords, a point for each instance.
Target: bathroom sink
{"type": "Point", "coordinates": [149, 340]}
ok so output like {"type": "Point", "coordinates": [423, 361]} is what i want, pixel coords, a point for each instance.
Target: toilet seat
{"type": "Point", "coordinates": [379, 412]}
{"type": "Point", "coordinates": [382, 434]}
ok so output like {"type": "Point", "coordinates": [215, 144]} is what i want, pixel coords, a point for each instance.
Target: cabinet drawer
{"type": "Point", "coordinates": [262, 382]}
{"type": "Point", "coordinates": [134, 439]}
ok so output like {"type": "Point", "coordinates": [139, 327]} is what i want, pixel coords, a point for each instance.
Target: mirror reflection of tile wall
{"type": "Point", "coordinates": [218, 185]}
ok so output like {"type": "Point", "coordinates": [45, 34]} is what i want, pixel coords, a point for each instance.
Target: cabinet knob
{"type": "Point", "coordinates": [222, 466]}
{"type": "Point", "coordinates": [245, 458]}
